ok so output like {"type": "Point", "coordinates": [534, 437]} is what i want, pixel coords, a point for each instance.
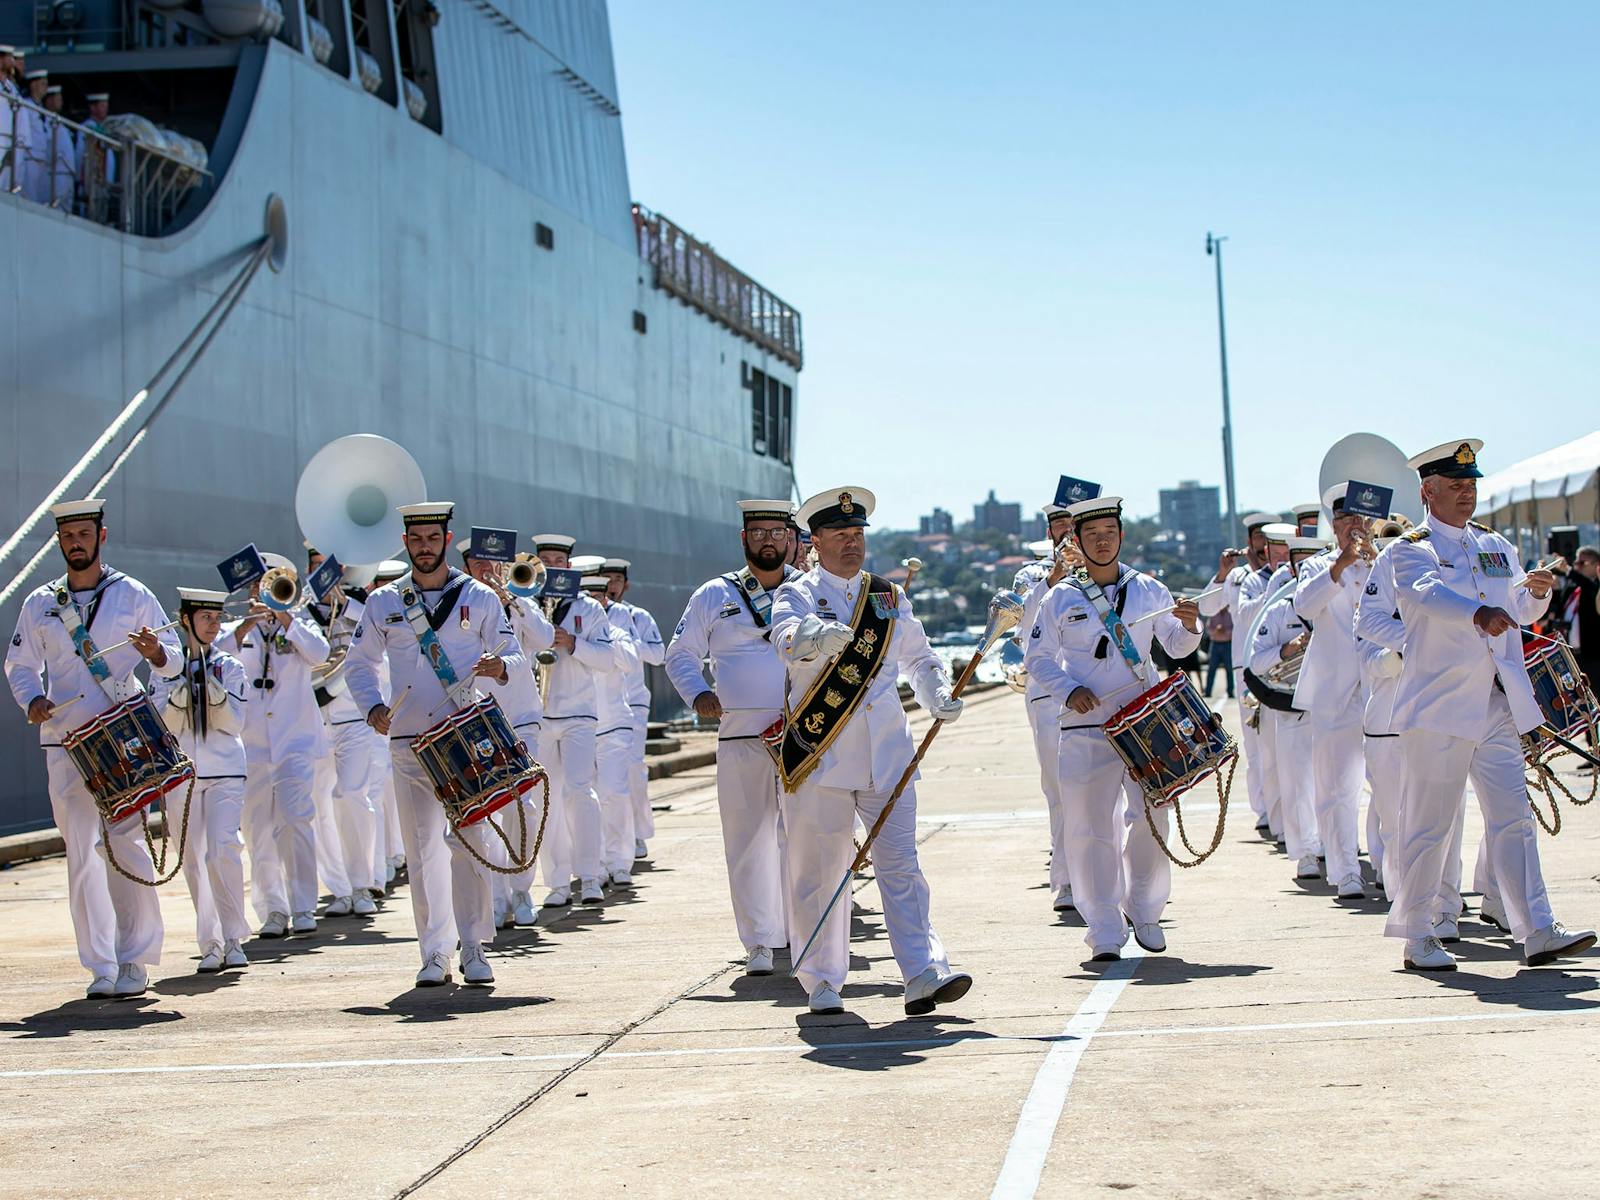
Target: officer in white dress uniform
{"type": "Point", "coordinates": [614, 744]}
{"type": "Point", "coordinates": [117, 921]}
{"type": "Point", "coordinates": [1461, 704]}
{"type": "Point", "coordinates": [1329, 687]}
{"type": "Point", "coordinates": [203, 706]}
{"type": "Point", "coordinates": [442, 633]}
{"type": "Point", "coordinates": [1119, 873]}
{"type": "Point", "coordinates": [1286, 730]}
{"type": "Point", "coordinates": [652, 653]}
{"type": "Point", "coordinates": [819, 622]}
{"type": "Point", "coordinates": [1032, 583]}
{"type": "Point", "coordinates": [513, 901]}
{"type": "Point", "coordinates": [729, 620]}
{"type": "Point", "coordinates": [582, 648]}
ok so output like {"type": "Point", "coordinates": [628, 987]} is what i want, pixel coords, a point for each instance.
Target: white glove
{"type": "Point", "coordinates": [944, 706]}
{"type": "Point", "coordinates": [1389, 664]}
{"type": "Point", "coordinates": [818, 637]}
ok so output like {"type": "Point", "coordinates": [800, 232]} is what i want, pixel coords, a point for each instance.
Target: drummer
{"type": "Point", "coordinates": [117, 921]}
{"type": "Point", "coordinates": [1086, 652]}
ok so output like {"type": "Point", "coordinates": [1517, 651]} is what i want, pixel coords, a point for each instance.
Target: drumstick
{"type": "Point", "coordinates": [398, 701]}
{"type": "Point", "coordinates": [1161, 611]}
{"type": "Point", "coordinates": [1544, 566]}
{"type": "Point", "coordinates": [125, 641]}
{"type": "Point", "coordinates": [449, 695]}
{"type": "Point", "coordinates": [65, 704]}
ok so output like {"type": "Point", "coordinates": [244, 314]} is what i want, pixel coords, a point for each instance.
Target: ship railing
{"type": "Point", "coordinates": [127, 183]}
{"type": "Point", "coordinates": [691, 270]}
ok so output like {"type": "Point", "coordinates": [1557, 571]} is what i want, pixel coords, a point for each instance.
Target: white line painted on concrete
{"type": "Point", "coordinates": [1036, 1126]}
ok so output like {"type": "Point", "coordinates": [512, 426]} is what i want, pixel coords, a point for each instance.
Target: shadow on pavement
{"type": "Point", "coordinates": [1162, 969]}
{"type": "Point", "coordinates": [447, 1003]}
{"type": "Point", "coordinates": [199, 985]}
{"type": "Point", "coordinates": [899, 1044]}
{"type": "Point", "coordinates": [1538, 989]}
{"type": "Point", "coordinates": [91, 1016]}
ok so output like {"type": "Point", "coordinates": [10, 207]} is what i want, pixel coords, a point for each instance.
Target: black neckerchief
{"type": "Point", "coordinates": [454, 581]}
{"type": "Point", "coordinates": [559, 613]}
{"type": "Point", "coordinates": [107, 578]}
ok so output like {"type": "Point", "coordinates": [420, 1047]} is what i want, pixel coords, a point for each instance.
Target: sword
{"type": "Point", "coordinates": [1546, 731]}
{"type": "Point", "coordinates": [1005, 610]}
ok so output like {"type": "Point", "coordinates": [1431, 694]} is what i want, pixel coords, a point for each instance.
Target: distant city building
{"type": "Point", "coordinates": [999, 517]}
{"type": "Point", "coordinates": [1033, 528]}
{"type": "Point", "coordinates": [938, 522]}
{"type": "Point", "coordinates": [1196, 513]}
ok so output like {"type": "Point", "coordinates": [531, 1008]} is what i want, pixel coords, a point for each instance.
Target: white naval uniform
{"type": "Point", "coordinates": [451, 893]}
{"type": "Point", "coordinates": [1117, 867]}
{"type": "Point", "coordinates": [213, 860]}
{"type": "Point", "coordinates": [652, 653]}
{"type": "Point", "coordinates": [1329, 690]}
{"type": "Point", "coordinates": [572, 836]}
{"type": "Point", "coordinates": [1287, 735]}
{"type": "Point", "coordinates": [10, 150]}
{"type": "Point", "coordinates": [33, 152]}
{"type": "Point", "coordinates": [64, 167]}
{"type": "Point", "coordinates": [855, 776]}
{"type": "Point", "coordinates": [525, 710]}
{"type": "Point", "coordinates": [615, 746]}
{"type": "Point", "coordinates": [1455, 722]}
{"type": "Point", "coordinates": [116, 921]}
{"type": "Point", "coordinates": [1044, 717]}
{"type": "Point", "coordinates": [347, 820]}
{"type": "Point", "coordinates": [1245, 591]}
{"type": "Point", "coordinates": [283, 741]}
{"type": "Point", "coordinates": [749, 682]}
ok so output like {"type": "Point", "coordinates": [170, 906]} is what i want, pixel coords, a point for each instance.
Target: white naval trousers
{"type": "Point", "coordinates": [1437, 767]}
{"type": "Point", "coordinates": [213, 862]}
{"type": "Point", "coordinates": [572, 837]}
{"type": "Point", "coordinates": [347, 822]}
{"type": "Point", "coordinates": [818, 823]}
{"type": "Point", "coordinates": [115, 920]}
{"type": "Point", "coordinates": [533, 810]}
{"type": "Point", "coordinates": [1115, 863]}
{"type": "Point", "coordinates": [644, 821]}
{"type": "Point", "coordinates": [753, 842]}
{"type": "Point", "coordinates": [1336, 774]}
{"type": "Point", "coordinates": [1256, 771]}
{"type": "Point", "coordinates": [613, 771]}
{"type": "Point", "coordinates": [1042, 715]}
{"type": "Point", "coordinates": [280, 834]}
{"type": "Point", "coordinates": [451, 895]}
{"type": "Point", "coordinates": [1288, 739]}
{"type": "Point", "coordinates": [1384, 762]}
{"type": "Point", "coordinates": [380, 791]}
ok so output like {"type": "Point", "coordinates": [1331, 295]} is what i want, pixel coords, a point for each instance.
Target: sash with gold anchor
{"type": "Point", "coordinates": [798, 742]}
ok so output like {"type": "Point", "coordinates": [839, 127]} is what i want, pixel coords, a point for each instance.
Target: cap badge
{"type": "Point", "coordinates": [1465, 456]}
{"type": "Point", "coordinates": [846, 503]}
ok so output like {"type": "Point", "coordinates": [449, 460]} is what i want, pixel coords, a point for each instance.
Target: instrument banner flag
{"type": "Point", "coordinates": [1368, 499]}
{"type": "Point", "coordinates": [494, 545]}
{"type": "Point", "coordinates": [1071, 491]}
{"type": "Point", "coordinates": [561, 583]}
{"type": "Point", "coordinates": [324, 578]}
{"type": "Point", "coordinates": [242, 568]}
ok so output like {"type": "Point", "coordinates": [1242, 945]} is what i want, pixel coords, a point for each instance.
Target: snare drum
{"type": "Point", "coordinates": [128, 758]}
{"type": "Point", "coordinates": [1169, 739]}
{"type": "Point", "coordinates": [476, 762]}
{"type": "Point", "coordinates": [1563, 693]}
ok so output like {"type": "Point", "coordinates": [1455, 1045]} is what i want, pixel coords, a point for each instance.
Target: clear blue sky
{"type": "Point", "coordinates": [993, 220]}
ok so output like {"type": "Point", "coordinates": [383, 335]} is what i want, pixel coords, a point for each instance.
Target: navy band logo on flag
{"type": "Point", "coordinates": [561, 583]}
{"type": "Point", "coordinates": [325, 578]}
{"type": "Point", "coordinates": [1072, 491]}
{"type": "Point", "coordinates": [494, 545]}
{"type": "Point", "coordinates": [241, 569]}
{"type": "Point", "coordinates": [1368, 499]}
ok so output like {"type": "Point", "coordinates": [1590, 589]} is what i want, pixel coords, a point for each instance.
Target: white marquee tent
{"type": "Point", "coordinates": [1557, 487]}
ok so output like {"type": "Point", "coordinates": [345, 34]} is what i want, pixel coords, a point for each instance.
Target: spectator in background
{"type": "Point", "coordinates": [35, 172]}
{"type": "Point", "coordinates": [1219, 629]}
{"type": "Point", "coordinates": [63, 154]}
{"type": "Point", "coordinates": [1580, 610]}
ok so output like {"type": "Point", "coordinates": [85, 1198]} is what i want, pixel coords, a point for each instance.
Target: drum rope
{"type": "Point", "coordinates": [158, 861]}
{"type": "Point", "coordinates": [519, 863]}
{"type": "Point", "coordinates": [1224, 789]}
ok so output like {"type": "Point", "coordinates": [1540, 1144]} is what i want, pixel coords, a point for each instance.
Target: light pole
{"type": "Point", "coordinates": [1214, 250]}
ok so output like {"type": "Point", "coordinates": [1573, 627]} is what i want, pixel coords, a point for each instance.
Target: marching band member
{"type": "Point", "coordinates": [1286, 733]}
{"type": "Point", "coordinates": [391, 845]}
{"type": "Point", "coordinates": [117, 921]}
{"type": "Point", "coordinates": [1462, 702]}
{"type": "Point", "coordinates": [1084, 650]}
{"type": "Point", "coordinates": [614, 748]}
{"type": "Point", "coordinates": [203, 705]}
{"type": "Point", "coordinates": [652, 653]}
{"type": "Point", "coordinates": [283, 741]}
{"type": "Point", "coordinates": [729, 621]}
{"type": "Point", "coordinates": [1329, 688]}
{"type": "Point", "coordinates": [441, 632]}
{"type": "Point", "coordinates": [843, 636]}
{"type": "Point", "coordinates": [582, 644]}
{"type": "Point", "coordinates": [1032, 583]}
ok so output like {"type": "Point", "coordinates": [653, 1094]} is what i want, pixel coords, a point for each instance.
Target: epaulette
{"type": "Point", "coordinates": [1480, 526]}
{"type": "Point", "coordinates": [1419, 534]}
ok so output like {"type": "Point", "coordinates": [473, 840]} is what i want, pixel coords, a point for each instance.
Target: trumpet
{"type": "Point", "coordinates": [526, 577]}
{"type": "Point", "coordinates": [280, 589]}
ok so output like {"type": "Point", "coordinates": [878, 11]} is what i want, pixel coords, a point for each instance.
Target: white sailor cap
{"type": "Point", "coordinates": [837, 508]}
{"type": "Point", "coordinates": [390, 569]}
{"type": "Point", "coordinates": [595, 583]}
{"type": "Point", "coordinates": [53, 90]}
{"type": "Point", "coordinates": [1257, 519]}
{"type": "Point", "coordinates": [1052, 511]}
{"type": "Point", "coordinates": [616, 566]}
{"type": "Point", "coordinates": [7, 48]}
{"type": "Point", "coordinates": [1306, 545]}
{"type": "Point", "coordinates": [1333, 498]}
{"type": "Point", "coordinates": [589, 564]}
{"type": "Point", "coordinates": [277, 561]}
{"type": "Point", "coordinates": [1093, 510]}
{"type": "Point", "coordinates": [433, 512]}
{"type": "Point", "coordinates": [554, 541]}
{"type": "Point", "coordinates": [195, 599]}
{"type": "Point", "coordinates": [1452, 460]}
{"type": "Point", "coordinates": [1309, 510]}
{"type": "Point", "coordinates": [766, 510]}
{"type": "Point", "coordinates": [1279, 532]}
{"type": "Point", "coordinates": [41, 73]}
{"type": "Point", "coordinates": [98, 97]}
{"type": "Point", "coordinates": [79, 510]}
{"type": "Point", "coordinates": [1041, 549]}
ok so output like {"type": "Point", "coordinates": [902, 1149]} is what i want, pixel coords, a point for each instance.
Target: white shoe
{"type": "Point", "coordinates": [388, 873]}
{"type": "Point", "coordinates": [276, 925]}
{"type": "Point", "coordinates": [1494, 914]}
{"type": "Point", "coordinates": [339, 906]}
{"type": "Point", "coordinates": [1308, 868]}
{"type": "Point", "coordinates": [397, 863]}
{"type": "Point", "coordinates": [504, 917]}
{"type": "Point", "coordinates": [211, 960]}
{"type": "Point", "coordinates": [1063, 901]}
{"type": "Point", "coordinates": [640, 850]}
{"type": "Point", "coordinates": [1106, 954]}
{"type": "Point", "coordinates": [132, 979]}
{"type": "Point", "coordinates": [1447, 930]}
{"type": "Point", "coordinates": [759, 962]}
{"type": "Point", "coordinates": [100, 987]}
{"type": "Point", "coordinates": [304, 922]}
{"type": "Point", "coordinates": [622, 879]}
{"type": "Point", "coordinates": [1555, 941]}
{"type": "Point", "coordinates": [826, 1000]}
{"type": "Point", "coordinates": [931, 988]}
{"type": "Point", "coordinates": [522, 908]}
{"type": "Point", "coordinates": [435, 971]}
{"type": "Point", "coordinates": [1428, 954]}
{"type": "Point", "coordinates": [1351, 888]}
{"type": "Point", "coordinates": [558, 898]}
{"type": "Point", "coordinates": [474, 966]}
{"type": "Point", "coordinates": [361, 905]}
{"type": "Point", "coordinates": [233, 954]}
{"type": "Point", "coordinates": [591, 892]}
{"type": "Point", "coordinates": [1149, 936]}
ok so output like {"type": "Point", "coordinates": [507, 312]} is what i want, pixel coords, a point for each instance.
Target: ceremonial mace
{"type": "Point", "coordinates": [912, 566]}
{"type": "Point", "coordinates": [1005, 611]}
